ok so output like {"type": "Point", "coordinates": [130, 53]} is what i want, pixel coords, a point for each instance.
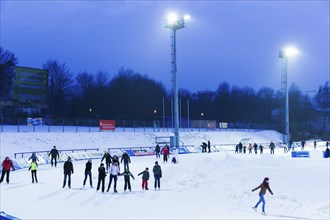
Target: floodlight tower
{"type": "Point", "coordinates": [175, 23]}
{"type": "Point", "coordinates": [285, 55]}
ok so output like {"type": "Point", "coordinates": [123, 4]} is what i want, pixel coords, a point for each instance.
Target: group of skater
{"type": "Point", "coordinates": [165, 150]}
{"type": "Point", "coordinates": [240, 148]}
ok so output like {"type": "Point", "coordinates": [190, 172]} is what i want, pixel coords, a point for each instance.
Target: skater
{"type": "Point", "coordinates": [236, 149]}
{"type": "Point", "coordinates": [166, 152]}
{"type": "Point", "coordinates": [68, 170]}
{"type": "Point", "coordinates": [175, 158]}
{"type": "Point", "coordinates": [145, 178]}
{"type": "Point", "coordinates": [34, 167]}
{"type": "Point", "coordinates": [115, 159]}
{"type": "Point", "coordinates": [327, 153]}
{"type": "Point", "coordinates": [303, 142]}
{"type": "Point", "coordinates": [114, 171]}
{"type": "Point", "coordinates": [54, 155]}
{"type": "Point", "coordinates": [240, 147]}
{"type": "Point", "coordinates": [101, 178]}
{"type": "Point", "coordinates": [88, 173]}
{"type": "Point", "coordinates": [127, 180]}
{"type": "Point", "coordinates": [315, 144]}
{"type": "Point", "coordinates": [250, 148]}
{"type": "Point", "coordinates": [157, 150]}
{"type": "Point", "coordinates": [209, 146]}
{"type": "Point", "coordinates": [157, 170]}
{"type": "Point", "coordinates": [108, 159]}
{"type": "Point", "coordinates": [255, 147]}
{"type": "Point", "coordinates": [6, 165]}
{"type": "Point", "coordinates": [204, 146]}
{"type": "Point", "coordinates": [264, 186]}
{"type": "Point", "coordinates": [271, 147]}
{"type": "Point", "coordinates": [125, 157]}
{"type": "Point", "coordinates": [261, 149]}
{"type": "Point", "coordinates": [33, 157]}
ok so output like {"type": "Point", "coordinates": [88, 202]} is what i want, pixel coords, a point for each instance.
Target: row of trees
{"type": "Point", "coordinates": [130, 95]}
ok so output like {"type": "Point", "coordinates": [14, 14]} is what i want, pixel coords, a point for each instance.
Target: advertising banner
{"type": "Point", "coordinates": [143, 152]}
{"type": "Point", "coordinates": [31, 85]}
{"type": "Point", "coordinates": [34, 121]}
{"type": "Point", "coordinates": [107, 125]}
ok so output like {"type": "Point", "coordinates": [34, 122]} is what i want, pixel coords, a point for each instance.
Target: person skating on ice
{"type": "Point", "coordinates": [6, 165]}
{"type": "Point", "coordinates": [145, 178]}
{"type": "Point", "coordinates": [114, 171]}
{"type": "Point", "coordinates": [68, 170]}
{"type": "Point", "coordinates": [264, 186]}
{"type": "Point", "coordinates": [88, 173]}
{"type": "Point", "coordinates": [34, 167]}
{"type": "Point", "coordinates": [54, 156]}
{"type": "Point", "coordinates": [101, 177]}
{"type": "Point", "coordinates": [157, 170]}
{"type": "Point", "coordinates": [127, 180]}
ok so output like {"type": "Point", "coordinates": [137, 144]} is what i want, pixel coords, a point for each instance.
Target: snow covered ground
{"type": "Point", "coordinates": [201, 186]}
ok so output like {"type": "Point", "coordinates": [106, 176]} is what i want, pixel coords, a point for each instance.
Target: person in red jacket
{"type": "Point", "coordinates": [6, 165]}
{"type": "Point", "coordinates": [165, 152]}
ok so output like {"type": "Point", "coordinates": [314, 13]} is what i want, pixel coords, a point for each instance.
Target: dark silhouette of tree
{"type": "Point", "coordinates": [60, 90]}
{"type": "Point", "coordinates": [322, 98]}
{"type": "Point", "coordinates": [7, 61]}
{"type": "Point", "coordinates": [133, 96]}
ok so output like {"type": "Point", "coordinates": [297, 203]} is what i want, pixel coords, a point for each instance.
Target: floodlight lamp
{"type": "Point", "coordinates": [172, 18]}
{"type": "Point", "coordinates": [290, 51]}
{"type": "Point", "coordinates": [186, 17]}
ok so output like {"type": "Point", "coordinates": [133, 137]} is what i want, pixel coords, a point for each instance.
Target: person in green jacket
{"type": "Point", "coordinates": [34, 167]}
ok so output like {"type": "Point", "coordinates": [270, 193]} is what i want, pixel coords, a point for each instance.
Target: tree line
{"type": "Point", "coordinates": [130, 95]}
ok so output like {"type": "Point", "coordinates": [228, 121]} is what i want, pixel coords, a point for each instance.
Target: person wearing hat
{"type": "Point", "coordinates": [68, 170]}
{"type": "Point", "coordinates": [33, 157]}
{"type": "Point", "coordinates": [264, 186]}
{"type": "Point", "coordinates": [157, 170]}
{"type": "Point", "coordinates": [101, 179]}
{"type": "Point", "coordinates": [145, 178]}
{"type": "Point", "coordinates": [88, 173]}
{"type": "Point", "coordinates": [6, 165]}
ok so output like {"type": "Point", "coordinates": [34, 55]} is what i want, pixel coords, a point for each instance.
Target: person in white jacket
{"type": "Point", "coordinates": [114, 171]}
{"type": "Point", "coordinates": [175, 158]}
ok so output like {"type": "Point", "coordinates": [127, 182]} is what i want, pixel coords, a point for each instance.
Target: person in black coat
{"type": "Point", "coordinates": [54, 155]}
{"type": "Point", "coordinates": [157, 170]}
{"type": "Point", "coordinates": [209, 146]}
{"type": "Point", "coordinates": [101, 179]}
{"type": "Point", "coordinates": [125, 157]}
{"type": "Point", "coordinates": [108, 159]}
{"type": "Point", "coordinates": [88, 172]}
{"type": "Point", "coordinates": [157, 150]}
{"type": "Point", "coordinates": [68, 170]}
{"type": "Point", "coordinates": [127, 176]}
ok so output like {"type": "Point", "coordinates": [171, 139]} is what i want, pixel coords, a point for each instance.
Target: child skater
{"type": "Point", "coordinates": [145, 178]}
{"type": "Point", "coordinates": [264, 186]}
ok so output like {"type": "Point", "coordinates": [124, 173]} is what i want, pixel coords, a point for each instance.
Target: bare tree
{"type": "Point", "coordinates": [7, 61]}
{"type": "Point", "coordinates": [60, 82]}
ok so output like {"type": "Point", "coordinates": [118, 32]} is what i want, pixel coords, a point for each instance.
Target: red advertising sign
{"type": "Point", "coordinates": [106, 125]}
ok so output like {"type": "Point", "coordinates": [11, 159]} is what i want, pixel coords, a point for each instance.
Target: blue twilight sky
{"type": "Point", "coordinates": [232, 41]}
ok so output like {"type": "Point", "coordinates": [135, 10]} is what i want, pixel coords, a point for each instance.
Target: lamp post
{"type": "Point", "coordinates": [175, 23]}
{"type": "Point", "coordinates": [89, 121]}
{"type": "Point", "coordinates": [285, 55]}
